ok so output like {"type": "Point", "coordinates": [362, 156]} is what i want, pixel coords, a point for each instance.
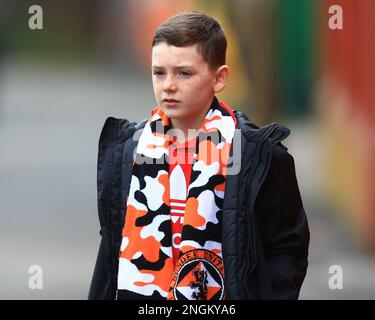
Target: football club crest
{"type": "Point", "coordinates": [199, 275]}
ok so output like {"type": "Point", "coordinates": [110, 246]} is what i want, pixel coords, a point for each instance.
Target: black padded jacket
{"type": "Point", "coordinates": [265, 235]}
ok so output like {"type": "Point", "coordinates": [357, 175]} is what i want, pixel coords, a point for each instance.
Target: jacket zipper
{"type": "Point", "coordinates": [250, 230]}
{"type": "Point", "coordinates": [109, 226]}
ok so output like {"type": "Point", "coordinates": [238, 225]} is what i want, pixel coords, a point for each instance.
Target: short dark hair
{"type": "Point", "coordinates": [189, 28]}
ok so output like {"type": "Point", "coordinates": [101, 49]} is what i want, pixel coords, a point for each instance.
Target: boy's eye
{"type": "Point", "coordinates": [182, 73]}
{"type": "Point", "coordinates": [185, 73]}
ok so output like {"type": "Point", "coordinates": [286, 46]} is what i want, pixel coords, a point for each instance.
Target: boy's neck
{"type": "Point", "coordinates": [190, 126]}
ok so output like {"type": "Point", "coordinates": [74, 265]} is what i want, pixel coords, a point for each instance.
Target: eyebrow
{"type": "Point", "coordinates": [176, 67]}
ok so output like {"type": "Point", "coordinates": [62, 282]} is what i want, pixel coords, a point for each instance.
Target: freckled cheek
{"type": "Point", "coordinates": [157, 87]}
{"type": "Point", "coordinates": [155, 83]}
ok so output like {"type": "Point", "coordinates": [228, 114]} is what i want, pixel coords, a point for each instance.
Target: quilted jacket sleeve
{"type": "Point", "coordinates": [283, 226]}
{"type": "Point", "coordinates": [99, 278]}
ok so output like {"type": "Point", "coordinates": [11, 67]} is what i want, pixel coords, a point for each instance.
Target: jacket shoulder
{"type": "Point", "coordinates": [272, 133]}
{"type": "Point", "coordinates": [117, 129]}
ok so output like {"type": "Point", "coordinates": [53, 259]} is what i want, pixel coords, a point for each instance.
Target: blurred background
{"type": "Point", "coordinates": [91, 60]}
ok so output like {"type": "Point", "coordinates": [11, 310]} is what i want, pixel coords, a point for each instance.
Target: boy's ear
{"type": "Point", "coordinates": [221, 78]}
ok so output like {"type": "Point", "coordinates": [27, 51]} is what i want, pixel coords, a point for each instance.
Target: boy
{"type": "Point", "coordinates": [177, 220]}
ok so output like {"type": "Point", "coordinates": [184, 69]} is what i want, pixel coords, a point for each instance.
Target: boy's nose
{"type": "Point", "coordinates": [169, 84]}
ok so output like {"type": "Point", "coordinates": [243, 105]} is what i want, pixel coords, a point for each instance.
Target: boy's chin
{"type": "Point", "coordinates": [173, 114]}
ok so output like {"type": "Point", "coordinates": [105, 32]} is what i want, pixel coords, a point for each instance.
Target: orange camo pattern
{"type": "Point", "coordinates": [131, 231]}
{"type": "Point", "coordinates": [164, 180]}
{"type": "Point", "coordinates": [192, 216]}
{"type": "Point", "coordinates": [146, 240]}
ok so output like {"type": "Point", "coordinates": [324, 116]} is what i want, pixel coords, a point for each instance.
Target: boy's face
{"type": "Point", "coordinates": [181, 74]}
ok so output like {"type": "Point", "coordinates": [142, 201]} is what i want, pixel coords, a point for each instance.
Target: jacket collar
{"type": "Point", "coordinates": [273, 132]}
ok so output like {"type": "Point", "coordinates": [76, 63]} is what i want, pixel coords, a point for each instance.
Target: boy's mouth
{"type": "Point", "coordinates": [170, 100]}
